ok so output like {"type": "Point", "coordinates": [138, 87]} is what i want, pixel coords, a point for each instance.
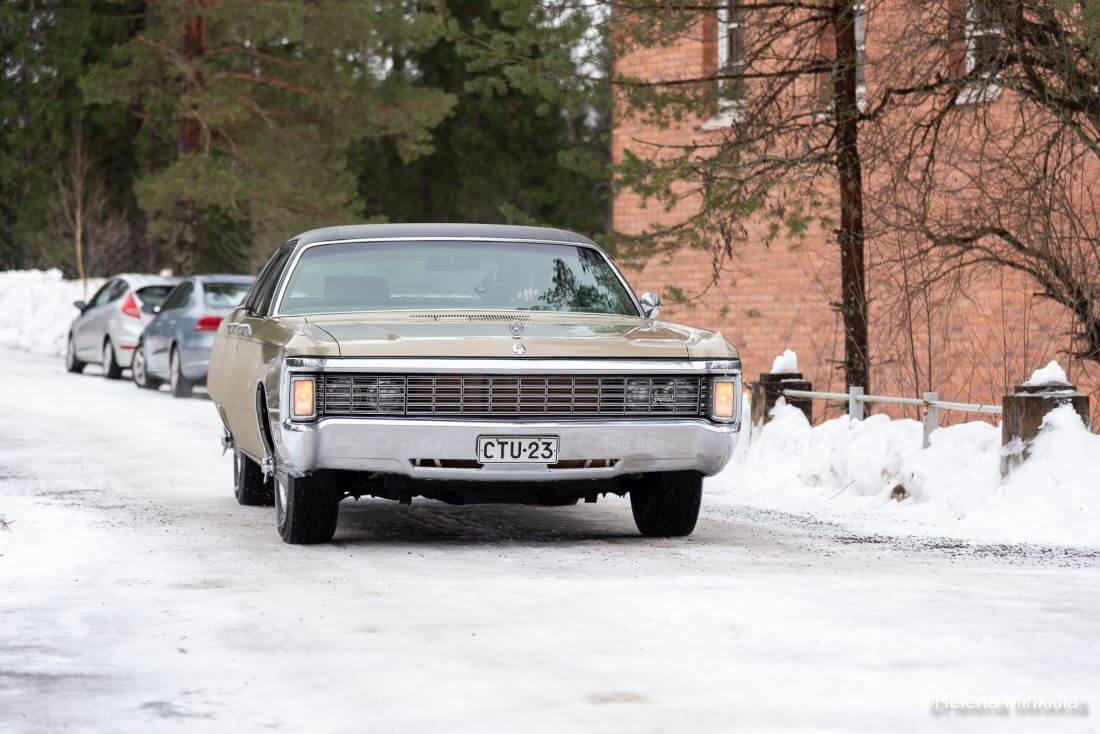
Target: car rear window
{"type": "Point", "coordinates": [225, 295]}
{"type": "Point", "coordinates": [154, 295]}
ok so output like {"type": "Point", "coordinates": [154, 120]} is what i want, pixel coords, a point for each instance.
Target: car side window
{"type": "Point", "coordinates": [102, 295]}
{"type": "Point", "coordinates": [178, 297]}
{"type": "Point", "coordinates": [259, 300]}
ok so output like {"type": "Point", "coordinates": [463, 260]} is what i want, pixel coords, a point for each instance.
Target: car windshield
{"type": "Point", "coordinates": [381, 276]}
{"type": "Point", "coordinates": [154, 295]}
{"type": "Point", "coordinates": [224, 295]}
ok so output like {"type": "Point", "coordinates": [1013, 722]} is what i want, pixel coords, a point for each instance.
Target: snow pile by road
{"type": "Point", "coordinates": [853, 472]}
{"type": "Point", "coordinates": [36, 308]}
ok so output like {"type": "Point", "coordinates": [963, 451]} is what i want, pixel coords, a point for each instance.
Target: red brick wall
{"type": "Point", "coordinates": [985, 333]}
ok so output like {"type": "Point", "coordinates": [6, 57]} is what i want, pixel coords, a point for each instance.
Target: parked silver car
{"type": "Point", "coordinates": [176, 345]}
{"type": "Point", "coordinates": [108, 327]}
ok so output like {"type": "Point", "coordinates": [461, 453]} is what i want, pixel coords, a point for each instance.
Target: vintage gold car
{"type": "Point", "coordinates": [466, 363]}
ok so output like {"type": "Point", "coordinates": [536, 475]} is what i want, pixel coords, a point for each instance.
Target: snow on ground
{"type": "Point", "coordinates": [851, 471]}
{"type": "Point", "coordinates": [137, 596]}
{"type": "Point", "coordinates": [36, 308]}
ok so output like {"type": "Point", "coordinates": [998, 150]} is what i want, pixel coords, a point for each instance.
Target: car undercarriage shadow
{"type": "Point", "coordinates": [371, 521]}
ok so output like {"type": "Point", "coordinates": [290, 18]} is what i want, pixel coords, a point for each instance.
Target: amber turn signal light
{"type": "Point", "coordinates": [723, 406]}
{"type": "Point", "coordinates": [303, 398]}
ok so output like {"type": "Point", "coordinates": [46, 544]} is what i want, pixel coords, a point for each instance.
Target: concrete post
{"type": "Point", "coordinates": [769, 388]}
{"type": "Point", "coordinates": [1023, 416]}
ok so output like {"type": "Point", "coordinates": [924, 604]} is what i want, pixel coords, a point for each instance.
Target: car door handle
{"type": "Point", "coordinates": [242, 329]}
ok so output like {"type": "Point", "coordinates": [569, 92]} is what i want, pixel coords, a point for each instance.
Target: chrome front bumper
{"type": "Point", "coordinates": [391, 445]}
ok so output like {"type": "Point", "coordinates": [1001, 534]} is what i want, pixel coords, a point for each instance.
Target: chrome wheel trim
{"type": "Point", "coordinates": [280, 500]}
{"type": "Point", "coordinates": [175, 371]}
{"type": "Point", "coordinates": [139, 366]}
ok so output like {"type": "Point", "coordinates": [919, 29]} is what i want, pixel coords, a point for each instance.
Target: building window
{"type": "Point", "coordinates": [825, 82]}
{"type": "Point", "coordinates": [731, 56]}
{"type": "Point", "coordinates": [983, 48]}
{"type": "Point", "coordinates": [730, 42]}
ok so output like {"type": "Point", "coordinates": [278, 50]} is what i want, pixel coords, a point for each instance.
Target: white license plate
{"type": "Point", "coordinates": [517, 449]}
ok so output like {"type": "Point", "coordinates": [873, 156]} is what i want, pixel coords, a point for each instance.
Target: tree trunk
{"type": "Point", "coordinates": [853, 278]}
{"type": "Point", "coordinates": [79, 175]}
{"type": "Point", "coordinates": [185, 233]}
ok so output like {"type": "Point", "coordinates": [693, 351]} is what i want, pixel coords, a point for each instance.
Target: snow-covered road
{"type": "Point", "coordinates": [136, 595]}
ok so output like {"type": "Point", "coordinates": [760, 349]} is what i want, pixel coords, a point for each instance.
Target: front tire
{"type": "Point", "coordinates": [667, 505]}
{"type": "Point", "coordinates": [250, 487]}
{"type": "Point", "coordinates": [181, 386]}
{"type": "Point", "coordinates": [112, 370]}
{"type": "Point", "coordinates": [306, 508]}
{"type": "Point", "coordinates": [72, 364]}
{"type": "Point", "coordinates": [139, 370]}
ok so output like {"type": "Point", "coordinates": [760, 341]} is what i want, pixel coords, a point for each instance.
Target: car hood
{"type": "Point", "coordinates": [491, 334]}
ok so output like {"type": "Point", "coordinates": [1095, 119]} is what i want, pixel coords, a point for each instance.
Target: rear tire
{"type": "Point", "coordinates": [72, 364]}
{"type": "Point", "coordinates": [250, 487]}
{"type": "Point", "coordinates": [181, 386]}
{"type": "Point", "coordinates": [667, 505]}
{"type": "Point", "coordinates": [306, 508]}
{"type": "Point", "coordinates": [139, 371]}
{"type": "Point", "coordinates": [112, 370]}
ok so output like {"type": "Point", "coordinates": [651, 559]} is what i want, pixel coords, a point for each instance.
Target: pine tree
{"type": "Point", "coordinates": [248, 110]}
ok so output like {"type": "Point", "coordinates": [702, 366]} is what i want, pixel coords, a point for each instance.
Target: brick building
{"type": "Point", "coordinates": [971, 342]}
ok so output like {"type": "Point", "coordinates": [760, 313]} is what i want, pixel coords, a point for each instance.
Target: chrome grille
{"type": "Point", "coordinates": [511, 395]}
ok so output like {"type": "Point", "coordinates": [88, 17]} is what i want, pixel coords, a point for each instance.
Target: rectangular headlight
{"type": "Point", "coordinates": [303, 396]}
{"type": "Point", "coordinates": [723, 406]}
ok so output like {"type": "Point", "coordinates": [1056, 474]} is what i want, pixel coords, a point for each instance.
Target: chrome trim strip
{"type": "Point", "coordinates": [508, 365]}
{"type": "Point", "coordinates": [275, 311]}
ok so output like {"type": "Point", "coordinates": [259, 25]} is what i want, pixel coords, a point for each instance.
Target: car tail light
{"type": "Point", "coordinates": [208, 323]}
{"type": "Point", "coordinates": [130, 306]}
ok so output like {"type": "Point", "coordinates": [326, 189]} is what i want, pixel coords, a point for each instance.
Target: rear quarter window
{"type": "Point", "coordinates": [224, 295]}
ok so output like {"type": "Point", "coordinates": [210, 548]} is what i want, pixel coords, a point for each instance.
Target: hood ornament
{"type": "Point", "coordinates": [516, 327]}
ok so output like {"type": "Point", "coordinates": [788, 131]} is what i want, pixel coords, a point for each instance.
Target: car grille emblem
{"type": "Point", "coordinates": [516, 327]}
{"type": "Point", "coordinates": [519, 348]}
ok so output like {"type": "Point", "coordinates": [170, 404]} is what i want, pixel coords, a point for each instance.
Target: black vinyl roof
{"type": "Point", "coordinates": [431, 230]}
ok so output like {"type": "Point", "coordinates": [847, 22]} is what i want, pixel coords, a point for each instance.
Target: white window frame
{"type": "Point", "coordinates": [988, 89]}
{"type": "Point", "coordinates": [730, 111]}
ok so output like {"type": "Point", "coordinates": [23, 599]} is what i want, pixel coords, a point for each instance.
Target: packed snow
{"type": "Point", "coordinates": [785, 363]}
{"type": "Point", "coordinates": [1051, 374]}
{"type": "Point", "coordinates": [873, 476]}
{"type": "Point", "coordinates": [36, 308]}
{"type": "Point", "coordinates": [137, 596]}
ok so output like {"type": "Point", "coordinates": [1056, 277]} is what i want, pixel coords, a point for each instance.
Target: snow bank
{"type": "Point", "coordinates": [786, 362]}
{"type": "Point", "coordinates": [36, 308]}
{"type": "Point", "coordinates": [1052, 374]}
{"type": "Point", "coordinates": [851, 471]}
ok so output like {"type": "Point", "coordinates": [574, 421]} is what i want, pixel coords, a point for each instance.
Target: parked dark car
{"type": "Point", "coordinates": [110, 324]}
{"type": "Point", "coordinates": [175, 346]}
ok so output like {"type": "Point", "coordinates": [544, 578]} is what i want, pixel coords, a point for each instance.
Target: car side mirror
{"type": "Point", "coordinates": [651, 305]}
{"type": "Point", "coordinates": [81, 304]}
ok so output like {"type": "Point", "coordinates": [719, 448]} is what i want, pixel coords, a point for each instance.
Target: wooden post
{"type": "Point", "coordinates": [767, 391]}
{"type": "Point", "coordinates": [1023, 416]}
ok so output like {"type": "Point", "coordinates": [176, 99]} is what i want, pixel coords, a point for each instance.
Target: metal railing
{"type": "Point", "coordinates": [930, 405]}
